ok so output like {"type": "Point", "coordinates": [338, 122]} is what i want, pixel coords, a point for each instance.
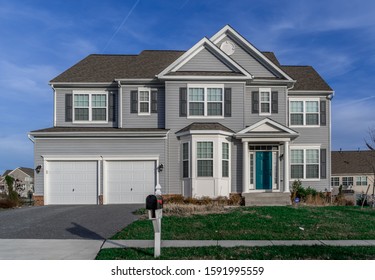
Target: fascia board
{"type": "Point", "coordinates": [228, 29]}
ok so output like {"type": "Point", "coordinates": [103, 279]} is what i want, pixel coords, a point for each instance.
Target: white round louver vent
{"type": "Point", "coordinates": [227, 47]}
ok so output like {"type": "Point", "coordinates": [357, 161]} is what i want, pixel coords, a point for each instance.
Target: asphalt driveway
{"type": "Point", "coordinates": [95, 222]}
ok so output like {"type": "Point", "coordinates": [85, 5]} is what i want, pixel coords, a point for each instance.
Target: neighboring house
{"type": "Point", "coordinates": [219, 118]}
{"type": "Point", "coordinates": [353, 170]}
{"type": "Point", "coordinates": [3, 185]}
{"type": "Point", "coordinates": [23, 176]}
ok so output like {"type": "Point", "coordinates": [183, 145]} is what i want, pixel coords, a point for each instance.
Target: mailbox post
{"type": "Point", "coordinates": [154, 205]}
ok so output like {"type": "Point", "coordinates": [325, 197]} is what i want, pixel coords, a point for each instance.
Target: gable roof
{"type": "Point", "coordinates": [27, 171]}
{"type": "Point", "coordinates": [233, 34]}
{"type": "Point", "coordinates": [352, 162]}
{"type": "Point", "coordinates": [6, 173]}
{"type": "Point", "coordinates": [97, 68]}
{"type": "Point", "coordinates": [267, 128]}
{"type": "Point", "coordinates": [197, 48]}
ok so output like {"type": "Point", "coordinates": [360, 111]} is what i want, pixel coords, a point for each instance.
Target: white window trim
{"type": "Point", "coordinates": [304, 111]}
{"type": "Point", "coordinates": [205, 87]}
{"type": "Point", "coordinates": [304, 148]}
{"type": "Point", "coordinates": [348, 180]}
{"type": "Point", "coordinates": [139, 101]}
{"type": "Point", "coordinates": [269, 102]}
{"type": "Point", "coordinates": [188, 159]}
{"type": "Point", "coordinates": [89, 93]}
{"type": "Point", "coordinates": [360, 180]}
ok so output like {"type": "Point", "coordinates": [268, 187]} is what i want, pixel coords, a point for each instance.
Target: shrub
{"type": "Point", "coordinates": [7, 203]}
{"type": "Point", "coordinates": [12, 194]}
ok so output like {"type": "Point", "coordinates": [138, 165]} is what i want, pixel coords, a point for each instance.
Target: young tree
{"type": "Point", "coordinates": [12, 193]}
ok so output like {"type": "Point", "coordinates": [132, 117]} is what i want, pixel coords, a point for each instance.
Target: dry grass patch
{"type": "Point", "coordinates": [173, 209]}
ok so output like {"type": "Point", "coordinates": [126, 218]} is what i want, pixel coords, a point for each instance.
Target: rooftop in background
{"type": "Point", "coordinates": [353, 162]}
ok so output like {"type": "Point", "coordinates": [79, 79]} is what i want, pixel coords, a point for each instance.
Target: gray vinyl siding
{"type": "Point", "coordinates": [96, 147]}
{"type": "Point", "coordinates": [316, 136]}
{"type": "Point", "coordinates": [133, 120]}
{"type": "Point", "coordinates": [279, 117]}
{"type": "Point", "coordinates": [60, 109]}
{"type": "Point", "coordinates": [174, 122]}
{"type": "Point", "coordinates": [248, 61]}
{"type": "Point", "coordinates": [205, 61]}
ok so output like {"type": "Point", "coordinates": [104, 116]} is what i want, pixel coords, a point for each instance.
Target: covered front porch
{"type": "Point", "coordinates": [266, 163]}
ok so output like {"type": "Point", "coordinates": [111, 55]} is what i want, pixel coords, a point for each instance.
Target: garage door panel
{"type": "Point", "coordinates": [129, 181]}
{"type": "Point", "coordinates": [72, 182]}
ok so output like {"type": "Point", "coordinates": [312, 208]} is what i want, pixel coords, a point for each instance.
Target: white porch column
{"type": "Point", "coordinates": [286, 166]}
{"type": "Point", "coordinates": [245, 167]}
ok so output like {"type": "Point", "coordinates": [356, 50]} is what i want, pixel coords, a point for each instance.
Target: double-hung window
{"type": "Point", "coordinates": [335, 181]}
{"type": "Point", "coordinates": [90, 107]}
{"type": "Point", "coordinates": [205, 161]}
{"type": "Point", "coordinates": [347, 181]}
{"type": "Point", "coordinates": [304, 112]}
{"type": "Point", "coordinates": [304, 163]}
{"type": "Point", "coordinates": [225, 160]}
{"type": "Point", "coordinates": [265, 101]}
{"type": "Point", "coordinates": [361, 181]}
{"type": "Point", "coordinates": [206, 100]}
{"type": "Point", "coordinates": [144, 101]}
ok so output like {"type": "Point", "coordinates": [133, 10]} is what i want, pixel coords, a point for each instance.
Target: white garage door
{"type": "Point", "coordinates": [72, 182]}
{"type": "Point", "coordinates": [129, 181]}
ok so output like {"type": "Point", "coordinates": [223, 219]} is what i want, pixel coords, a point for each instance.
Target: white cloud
{"type": "Point", "coordinates": [28, 79]}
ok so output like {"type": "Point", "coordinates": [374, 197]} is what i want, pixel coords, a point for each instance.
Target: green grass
{"type": "Point", "coordinates": [263, 223]}
{"type": "Point", "coordinates": [244, 253]}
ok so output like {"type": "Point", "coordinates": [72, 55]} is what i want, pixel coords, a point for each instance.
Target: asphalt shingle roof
{"type": "Point", "coordinates": [353, 162]}
{"type": "Point", "coordinates": [98, 68]}
{"type": "Point", "coordinates": [205, 126]}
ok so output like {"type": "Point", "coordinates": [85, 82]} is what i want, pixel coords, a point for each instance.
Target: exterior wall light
{"type": "Point", "coordinates": [160, 167]}
{"type": "Point", "coordinates": [38, 168]}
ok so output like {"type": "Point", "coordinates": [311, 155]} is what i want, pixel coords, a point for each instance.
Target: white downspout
{"type": "Point", "coordinates": [119, 117]}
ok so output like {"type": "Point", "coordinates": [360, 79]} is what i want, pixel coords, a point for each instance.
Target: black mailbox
{"type": "Point", "coordinates": [154, 202]}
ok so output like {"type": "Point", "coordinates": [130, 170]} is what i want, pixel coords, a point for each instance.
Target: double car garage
{"type": "Point", "coordinates": [84, 181]}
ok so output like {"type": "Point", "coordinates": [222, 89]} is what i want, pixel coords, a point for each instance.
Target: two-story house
{"type": "Point", "coordinates": [219, 118]}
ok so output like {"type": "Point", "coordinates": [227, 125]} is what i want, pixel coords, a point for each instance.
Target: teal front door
{"type": "Point", "coordinates": [263, 170]}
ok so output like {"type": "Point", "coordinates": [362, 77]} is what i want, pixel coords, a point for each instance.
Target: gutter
{"type": "Point", "coordinates": [31, 138]}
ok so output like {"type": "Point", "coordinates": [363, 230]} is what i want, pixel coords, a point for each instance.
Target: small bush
{"type": "Point", "coordinates": [7, 203]}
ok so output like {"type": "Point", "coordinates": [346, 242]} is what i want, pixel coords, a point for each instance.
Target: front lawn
{"type": "Point", "coordinates": [244, 253]}
{"type": "Point", "coordinates": [263, 223]}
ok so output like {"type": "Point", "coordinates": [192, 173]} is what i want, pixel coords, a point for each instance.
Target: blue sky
{"type": "Point", "coordinates": [40, 39]}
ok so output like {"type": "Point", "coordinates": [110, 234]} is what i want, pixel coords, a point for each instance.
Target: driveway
{"type": "Point", "coordinates": [66, 222]}
{"type": "Point", "coordinates": [70, 232]}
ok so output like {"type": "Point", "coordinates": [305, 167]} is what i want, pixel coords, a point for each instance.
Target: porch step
{"type": "Point", "coordinates": [267, 199]}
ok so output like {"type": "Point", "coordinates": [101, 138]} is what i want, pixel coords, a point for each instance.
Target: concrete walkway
{"type": "Point", "coordinates": [49, 249]}
{"type": "Point", "coordinates": [79, 249]}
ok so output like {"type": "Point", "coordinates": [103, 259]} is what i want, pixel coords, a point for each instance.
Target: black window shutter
{"type": "Point", "coordinates": [68, 107]}
{"type": "Point", "coordinates": [323, 163]}
{"type": "Point", "coordinates": [323, 113]}
{"type": "Point", "coordinates": [255, 102]}
{"type": "Point", "coordinates": [111, 107]}
{"type": "Point", "coordinates": [134, 101]}
{"type": "Point", "coordinates": [154, 101]}
{"type": "Point", "coordinates": [183, 102]}
{"type": "Point", "coordinates": [227, 102]}
{"type": "Point", "coordinates": [274, 102]}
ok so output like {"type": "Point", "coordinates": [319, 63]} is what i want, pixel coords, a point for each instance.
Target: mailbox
{"type": "Point", "coordinates": [154, 202]}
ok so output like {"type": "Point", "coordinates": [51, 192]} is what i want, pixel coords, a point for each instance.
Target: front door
{"type": "Point", "coordinates": [263, 170]}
